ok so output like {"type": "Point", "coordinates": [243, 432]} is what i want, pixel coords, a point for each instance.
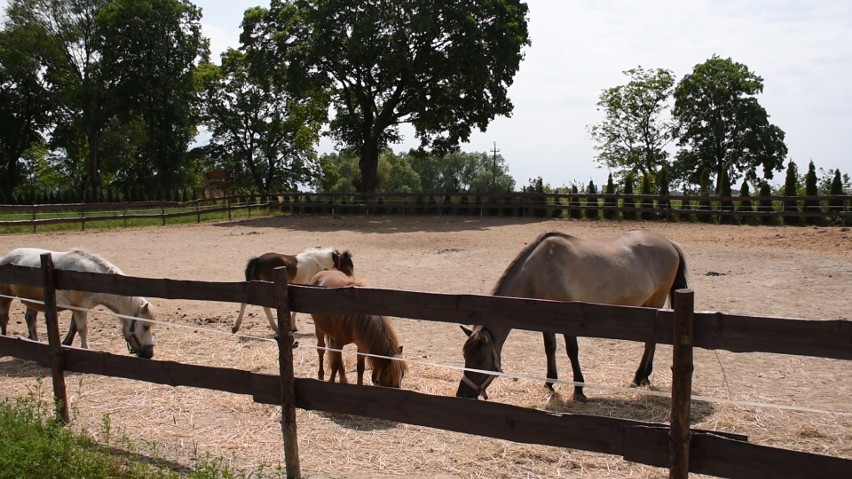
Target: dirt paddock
{"type": "Point", "coordinates": [769, 271]}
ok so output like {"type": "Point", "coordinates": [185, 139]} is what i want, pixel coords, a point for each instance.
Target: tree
{"type": "Point", "coordinates": [722, 125]}
{"type": "Point", "coordinates": [812, 205]}
{"type": "Point", "coordinates": [636, 129]}
{"type": "Point", "coordinates": [791, 188]}
{"type": "Point", "coordinates": [60, 35]}
{"type": "Point", "coordinates": [610, 203]}
{"type": "Point", "coordinates": [149, 53]}
{"type": "Point", "coordinates": [24, 107]}
{"type": "Point", "coordinates": [260, 134]}
{"type": "Point", "coordinates": [443, 67]}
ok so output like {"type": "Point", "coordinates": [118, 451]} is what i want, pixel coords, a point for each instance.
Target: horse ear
{"type": "Point", "coordinates": [466, 331]}
{"type": "Point", "coordinates": [400, 349]}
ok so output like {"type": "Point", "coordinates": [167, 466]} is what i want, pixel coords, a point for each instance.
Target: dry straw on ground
{"type": "Point", "coordinates": [777, 271]}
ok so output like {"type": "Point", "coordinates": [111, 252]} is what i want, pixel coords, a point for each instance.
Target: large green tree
{"type": "Point", "coordinates": [722, 126]}
{"type": "Point", "coordinates": [443, 66]}
{"type": "Point", "coordinates": [149, 51]}
{"type": "Point", "coordinates": [24, 107]}
{"type": "Point", "coordinates": [60, 36]}
{"type": "Point", "coordinates": [636, 127]}
{"type": "Point", "coordinates": [260, 134]}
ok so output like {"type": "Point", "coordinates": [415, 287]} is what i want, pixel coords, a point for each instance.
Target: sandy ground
{"type": "Point", "coordinates": [773, 271]}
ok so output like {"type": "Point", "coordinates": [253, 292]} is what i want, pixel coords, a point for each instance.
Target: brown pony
{"type": "Point", "coordinates": [639, 268]}
{"type": "Point", "coordinates": [373, 334]}
{"type": "Point", "coordinates": [300, 269]}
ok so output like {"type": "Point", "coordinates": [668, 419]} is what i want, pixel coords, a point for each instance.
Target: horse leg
{"type": "Point", "coordinates": [360, 369]}
{"type": "Point", "coordinates": [574, 356]}
{"type": "Point", "coordinates": [293, 321]}
{"type": "Point", "coordinates": [272, 322]}
{"type": "Point", "coordinates": [4, 314]}
{"type": "Point", "coordinates": [31, 317]}
{"type": "Point", "coordinates": [337, 365]}
{"type": "Point", "coordinates": [646, 366]}
{"type": "Point", "coordinates": [239, 320]}
{"type": "Point", "coordinates": [320, 354]}
{"type": "Point", "coordinates": [72, 331]}
{"type": "Point", "coordinates": [550, 352]}
{"type": "Point", "coordinates": [79, 318]}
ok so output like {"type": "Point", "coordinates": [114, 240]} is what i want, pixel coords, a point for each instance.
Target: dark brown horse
{"type": "Point", "coordinates": [639, 268]}
{"type": "Point", "coordinates": [300, 269]}
{"type": "Point", "coordinates": [372, 334]}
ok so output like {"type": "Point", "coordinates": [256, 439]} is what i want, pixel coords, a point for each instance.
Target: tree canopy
{"type": "Point", "coordinates": [636, 129]}
{"type": "Point", "coordinates": [722, 126]}
{"type": "Point", "coordinates": [444, 67]}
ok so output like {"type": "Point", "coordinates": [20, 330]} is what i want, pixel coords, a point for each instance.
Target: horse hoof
{"type": "Point", "coordinates": [580, 397]}
{"type": "Point", "coordinates": [549, 385]}
{"type": "Point", "coordinates": [233, 330]}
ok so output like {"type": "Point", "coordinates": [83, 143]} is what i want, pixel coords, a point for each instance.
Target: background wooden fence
{"type": "Point", "coordinates": [799, 210]}
{"type": "Point", "coordinates": [714, 453]}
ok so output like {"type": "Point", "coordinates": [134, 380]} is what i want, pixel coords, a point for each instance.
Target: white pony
{"type": "Point", "coordinates": [300, 270]}
{"type": "Point", "coordinates": [137, 333]}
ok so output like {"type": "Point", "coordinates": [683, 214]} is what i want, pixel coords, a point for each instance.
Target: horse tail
{"type": "Point", "coordinates": [680, 277]}
{"type": "Point", "coordinates": [251, 269]}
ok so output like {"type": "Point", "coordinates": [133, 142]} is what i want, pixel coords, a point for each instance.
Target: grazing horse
{"type": "Point", "coordinates": [300, 269]}
{"type": "Point", "coordinates": [372, 334]}
{"type": "Point", "coordinates": [639, 268]}
{"type": "Point", "coordinates": [136, 332]}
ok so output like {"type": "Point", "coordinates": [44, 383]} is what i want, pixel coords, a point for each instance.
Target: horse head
{"type": "Point", "coordinates": [343, 262]}
{"type": "Point", "coordinates": [389, 373]}
{"type": "Point", "coordinates": [480, 354]}
{"type": "Point", "coordinates": [137, 332]}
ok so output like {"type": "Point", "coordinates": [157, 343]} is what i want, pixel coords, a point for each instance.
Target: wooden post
{"type": "Point", "coordinates": [55, 346]}
{"type": "Point", "coordinates": [288, 382]}
{"type": "Point", "coordinates": [679, 434]}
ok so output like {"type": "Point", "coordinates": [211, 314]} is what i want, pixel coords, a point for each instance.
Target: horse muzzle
{"type": "Point", "coordinates": [144, 352]}
{"type": "Point", "coordinates": [467, 390]}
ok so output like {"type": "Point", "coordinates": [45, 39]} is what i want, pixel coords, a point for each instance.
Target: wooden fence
{"type": "Point", "coordinates": [834, 209]}
{"type": "Point", "coordinates": [706, 452]}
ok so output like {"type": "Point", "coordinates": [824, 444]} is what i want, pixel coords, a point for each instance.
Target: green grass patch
{"type": "Point", "coordinates": [35, 444]}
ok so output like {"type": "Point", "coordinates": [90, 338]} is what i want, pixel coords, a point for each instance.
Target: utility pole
{"type": "Point", "coordinates": [494, 152]}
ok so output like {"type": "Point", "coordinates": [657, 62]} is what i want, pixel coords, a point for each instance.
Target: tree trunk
{"type": "Point", "coordinates": [93, 137]}
{"type": "Point", "coordinates": [369, 166]}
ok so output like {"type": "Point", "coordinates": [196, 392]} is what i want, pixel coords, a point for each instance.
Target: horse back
{"type": "Point", "coordinates": [636, 269]}
{"type": "Point", "coordinates": [261, 268]}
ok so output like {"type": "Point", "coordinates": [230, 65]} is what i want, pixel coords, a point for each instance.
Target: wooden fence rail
{"type": "Point", "coordinates": [795, 209]}
{"type": "Point", "coordinates": [714, 453]}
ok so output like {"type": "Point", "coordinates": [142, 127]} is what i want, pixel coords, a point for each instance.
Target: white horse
{"type": "Point", "coordinates": [137, 333]}
{"type": "Point", "coordinates": [301, 268]}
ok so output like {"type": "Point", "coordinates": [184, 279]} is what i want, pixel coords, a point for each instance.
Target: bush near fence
{"type": "Point", "coordinates": [647, 443]}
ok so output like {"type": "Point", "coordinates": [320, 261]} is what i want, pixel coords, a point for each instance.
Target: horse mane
{"type": "Point", "coordinates": [97, 259]}
{"type": "Point", "coordinates": [379, 333]}
{"type": "Point", "coordinates": [522, 256]}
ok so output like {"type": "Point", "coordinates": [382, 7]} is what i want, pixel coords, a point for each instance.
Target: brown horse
{"type": "Point", "coordinates": [372, 334]}
{"type": "Point", "coordinates": [300, 269]}
{"type": "Point", "coordinates": [639, 268]}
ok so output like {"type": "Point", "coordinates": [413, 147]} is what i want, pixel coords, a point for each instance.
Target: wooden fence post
{"type": "Point", "coordinates": [288, 380]}
{"type": "Point", "coordinates": [57, 368]}
{"type": "Point", "coordinates": [679, 434]}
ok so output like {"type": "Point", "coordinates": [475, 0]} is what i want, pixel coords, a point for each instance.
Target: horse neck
{"type": "Point", "coordinates": [125, 305]}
